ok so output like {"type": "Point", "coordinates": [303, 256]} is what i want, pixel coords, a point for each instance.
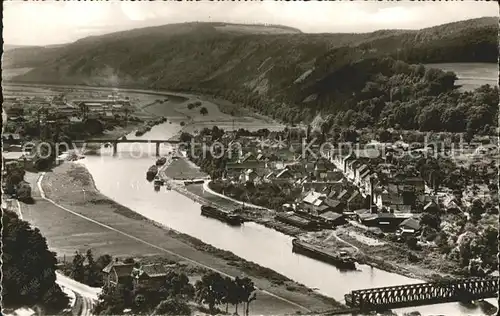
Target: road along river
{"type": "Point", "coordinates": [123, 179]}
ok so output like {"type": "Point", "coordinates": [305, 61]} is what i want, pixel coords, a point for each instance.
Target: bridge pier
{"type": "Point", "coordinates": [115, 148]}
{"type": "Point", "coordinates": [157, 149]}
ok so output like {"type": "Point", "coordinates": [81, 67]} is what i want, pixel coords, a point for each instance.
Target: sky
{"type": "Point", "coordinates": [49, 22]}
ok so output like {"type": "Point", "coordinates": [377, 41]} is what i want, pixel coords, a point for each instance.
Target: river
{"type": "Point", "coordinates": [122, 178]}
{"type": "Point", "coordinates": [471, 75]}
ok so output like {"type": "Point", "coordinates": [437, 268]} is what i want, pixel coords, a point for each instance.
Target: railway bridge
{"type": "Point", "coordinates": [115, 142]}
{"type": "Point", "coordinates": [423, 293]}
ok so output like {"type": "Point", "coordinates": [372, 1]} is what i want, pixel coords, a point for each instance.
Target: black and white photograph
{"type": "Point", "coordinates": [250, 158]}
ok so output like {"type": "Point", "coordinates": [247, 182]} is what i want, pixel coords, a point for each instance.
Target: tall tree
{"type": "Point", "coordinates": [28, 276]}
{"type": "Point", "coordinates": [177, 284]}
{"type": "Point", "coordinates": [91, 266]}
{"type": "Point", "coordinates": [203, 111]}
{"type": "Point", "coordinates": [78, 271]}
{"type": "Point", "coordinates": [210, 289]}
{"type": "Point", "coordinates": [246, 288]}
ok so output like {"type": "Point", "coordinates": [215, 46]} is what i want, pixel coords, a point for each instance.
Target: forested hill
{"type": "Point", "coordinates": [281, 71]}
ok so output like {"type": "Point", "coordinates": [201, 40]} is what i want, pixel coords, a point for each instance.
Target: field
{"type": "Point", "coordinates": [149, 104]}
{"type": "Point", "coordinates": [126, 233]}
{"type": "Point", "coordinates": [182, 169]}
{"type": "Point", "coordinates": [471, 75]}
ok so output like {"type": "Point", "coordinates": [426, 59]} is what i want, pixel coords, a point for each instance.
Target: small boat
{"type": "Point", "coordinates": [161, 161]}
{"type": "Point", "coordinates": [158, 181]}
{"type": "Point", "coordinates": [152, 172]}
{"type": "Point", "coordinates": [341, 260]}
{"type": "Point", "coordinates": [229, 218]}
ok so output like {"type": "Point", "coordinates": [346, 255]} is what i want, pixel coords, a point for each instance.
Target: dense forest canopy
{"type": "Point", "coordinates": [354, 79]}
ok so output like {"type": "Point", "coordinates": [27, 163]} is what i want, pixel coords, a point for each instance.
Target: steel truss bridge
{"type": "Point", "coordinates": [423, 293]}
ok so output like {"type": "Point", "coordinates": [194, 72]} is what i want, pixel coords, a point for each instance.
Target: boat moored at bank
{"type": "Point", "coordinates": [227, 217]}
{"type": "Point", "coordinates": [341, 260]}
{"type": "Point", "coordinates": [152, 172]}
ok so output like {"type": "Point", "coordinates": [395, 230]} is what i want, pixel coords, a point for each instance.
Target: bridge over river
{"type": "Point", "coordinates": [115, 142]}
{"type": "Point", "coordinates": [459, 290]}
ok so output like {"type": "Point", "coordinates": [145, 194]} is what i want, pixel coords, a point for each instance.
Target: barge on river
{"type": "Point", "coordinates": [227, 217]}
{"type": "Point", "coordinates": [341, 259]}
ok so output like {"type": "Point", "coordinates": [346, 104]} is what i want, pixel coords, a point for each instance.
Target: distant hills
{"type": "Point", "coordinates": [275, 64]}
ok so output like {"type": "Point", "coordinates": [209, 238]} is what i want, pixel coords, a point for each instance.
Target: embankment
{"type": "Point", "coordinates": [65, 185]}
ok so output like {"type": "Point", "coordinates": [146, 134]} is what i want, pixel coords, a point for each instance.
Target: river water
{"type": "Point", "coordinates": [122, 178]}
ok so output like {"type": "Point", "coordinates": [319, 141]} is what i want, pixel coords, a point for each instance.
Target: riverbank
{"type": "Point", "coordinates": [184, 169]}
{"type": "Point", "coordinates": [424, 265]}
{"type": "Point", "coordinates": [66, 185]}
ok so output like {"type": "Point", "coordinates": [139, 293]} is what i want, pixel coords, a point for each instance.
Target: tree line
{"type": "Point", "coordinates": [14, 184]}
{"type": "Point", "coordinates": [174, 295]}
{"type": "Point", "coordinates": [381, 92]}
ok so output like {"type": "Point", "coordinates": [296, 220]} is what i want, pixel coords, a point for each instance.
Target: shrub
{"type": "Point", "coordinates": [24, 192]}
{"type": "Point", "coordinates": [173, 307]}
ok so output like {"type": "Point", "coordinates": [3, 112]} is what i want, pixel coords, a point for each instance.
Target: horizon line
{"type": "Point", "coordinates": [246, 24]}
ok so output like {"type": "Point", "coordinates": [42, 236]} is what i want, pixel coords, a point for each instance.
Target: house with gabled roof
{"type": "Point", "coordinates": [333, 193]}
{"type": "Point", "coordinates": [249, 175]}
{"type": "Point", "coordinates": [332, 219]}
{"type": "Point", "coordinates": [284, 174]}
{"type": "Point", "coordinates": [451, 204]}
{"type": "Point", "coordinates": [367, 182]}
{"type": "Point", "coordinates": [117, 272]}
{"type": "Point", "coordinates": [335, 205]}
{"type": "Point", "coordinates": [341, 161]}
{"type": "Point", "coordinates": [431, 207]}
{"type": "Point", "coordinates": [269, 176]}
{"type": "Point", "coordinates": [363, 169]}
{"type": "Point", "coordinates": [409, 226]}
{"type": "Point", "coordinates": [313, 198]}
{"type": "Point", "coordinates": [260, 157]}
{"type": "Point", "coordinates": [344, 195]}
{"type": "Point", "coordinates": [351, 166]}
{"type": "Point", "coordinates": [355, 201]}
{"type": "Point", "coordinates": [152, 275]}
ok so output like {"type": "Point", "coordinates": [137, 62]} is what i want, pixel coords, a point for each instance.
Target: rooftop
{"type": "Point", "coordinates": [331, 215]}
{"type": "Point", "coordinates": [121, 269]}
{"type": "Point", "coordinates": [151, 270]}
{"type": "Point", "coordinates": [410, 223]}
{"type": "Point", "coordinates": [312, 197]}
